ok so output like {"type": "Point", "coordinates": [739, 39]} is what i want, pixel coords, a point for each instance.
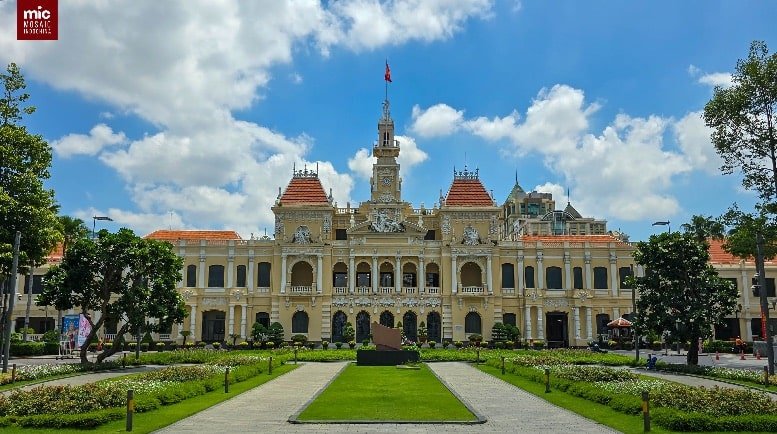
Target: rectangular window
{"type": "Point", "coordinates": [623, 273]}
{"type": "Point", "coordinates": [216, 276]}
{"type": "Point", "coordinates": [341, 234]}
{"type": "Point", "coordinates": [577, 278]}
{"type": "Point", "coordinates": [433, 280]}
{"type": "Point", "coordinates": [770, 292]}
{"type": "Point", "coordinates": [191, 276]}
{"type": "Point", "coordinates": [264, 275]}
{"type": "Point", "coordinates": [600, 278]}
{"type": "Point", "coordinates": [508, 276]}
{"type": "Point", "coordinates": [37, 283]}
{"type": "Point", "coordinates": [340, 280]}
{"type": "Point", "coordinates": [363, 279]}
{"type": "Point", "coordinates": [430, 235]}
{"type": "Point", "coordinates": [528, 276]}
{"type": "Point", "coordinates": [553, 277]}
{"type": "Point", "coordinates": [241, 276]}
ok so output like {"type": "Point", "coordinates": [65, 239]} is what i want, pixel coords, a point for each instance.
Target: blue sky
{"type": "Point", "coordinates": [191, 114]}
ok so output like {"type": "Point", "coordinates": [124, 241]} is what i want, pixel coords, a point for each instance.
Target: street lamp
{"type": "Point", "coordinates": [663, 223]}
{"type": "Point", "coordinates": [94, 222]}
{"type": "Point", "coordinates": [678, 335]}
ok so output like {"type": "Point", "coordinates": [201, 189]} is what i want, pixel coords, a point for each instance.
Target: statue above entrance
{"type": "Point", "coordinates": [384, 223]}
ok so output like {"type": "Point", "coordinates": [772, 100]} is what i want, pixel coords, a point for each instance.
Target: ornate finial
{"type": "Point", "coordinates": [466, 173]}
{"type": "Point", "coordinates": [316, 167]}
{"type": "Point", "coordinates": [386, 110]}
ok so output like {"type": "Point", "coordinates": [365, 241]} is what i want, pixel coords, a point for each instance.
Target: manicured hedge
{"type": "Point", "coordinates": [20, 349]}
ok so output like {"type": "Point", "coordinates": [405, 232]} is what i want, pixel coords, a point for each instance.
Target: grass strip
{"type": "Point", "coordinates": [167, 415]}
{"type": "Point", "coordinates": [385, 393]}
{"type": "Point", "coordinates": [597, 412]}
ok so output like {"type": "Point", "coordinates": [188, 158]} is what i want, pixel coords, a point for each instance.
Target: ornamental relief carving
{"type": "Point", "coordinates": [188, 293]}
{"type": "Point", "coordinates": [464, 215]}
{"type": "Point", "coordinates": [556, 302]}
{"type": "Point", "coordinates": [214, 301]}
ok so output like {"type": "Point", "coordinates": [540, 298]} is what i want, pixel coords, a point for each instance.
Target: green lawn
{"type": "Point", "coordinates": [385, 393]}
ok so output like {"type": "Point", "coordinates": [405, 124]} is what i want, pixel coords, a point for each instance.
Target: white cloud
{"type": "Point", "coordinates": [722, 79]}
{"type": "Point", "coordinates": [410, 155]}
{"type": "Point", "coordinates": [192, 66]}
{"type": "Point", "coordinates": [437, 120]}
{"type": "Point", "coordinates": [559, 193]}
{"type": "Point", "coordinates": [296, 78]}
{"type": "Point", "coordinates": [100, 136]}
{"type": "Point", "coordinates": [693, 136]}
{"type": "Point", "coordinates": [693, 70]}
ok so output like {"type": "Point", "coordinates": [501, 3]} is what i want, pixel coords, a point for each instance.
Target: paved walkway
{"type": "Point", "coordinates": [268, 407]}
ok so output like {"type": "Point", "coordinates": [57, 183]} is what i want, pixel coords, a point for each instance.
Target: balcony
{"type": "Point", "coordinates": [386, 289]}
{"type": "Point", "coordinates": [340, 290]}
{"type": "Point", "coordinates": [410, 290]}
{"type": "Point", "coordinates": [305, 290]}
{"type": "Point", "coordinates": [434, 290]}
{"type": "Point", "coordinates": [263, 289]}
{"type": "Point", "coordinates": [472, 290]}
{"type": "Point", "coordinates": [364, 290]}
{"type": "Point", "coordinates": [508, 291]}
{"type": "Point", "coordinates": [164, 337]}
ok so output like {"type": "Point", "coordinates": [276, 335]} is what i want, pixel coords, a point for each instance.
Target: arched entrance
{"type": "Point", "coordinates": [473, 324]}
{"type": "Point", "coordinates": [338, 325]}
{"type": "Point", "coordinates": [362, 326]}
{"type": "Point", "coordinates": [387, 319]}
{"type": "Point", "coordinates": [409, 326]}
{"type": "Point", "coordinates": [556, 330]}
{"type": "Point", "coordinates": [213, 326]}
{"type": "Point", "coordinates": [434, 327]}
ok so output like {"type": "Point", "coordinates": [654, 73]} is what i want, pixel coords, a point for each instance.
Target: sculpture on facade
{"type": "Point", "coordinates": [384, 223]}
{"type": "Point", "coordinates": [302, 235]}
{"type": "Point", "coordinates": [471, 236]}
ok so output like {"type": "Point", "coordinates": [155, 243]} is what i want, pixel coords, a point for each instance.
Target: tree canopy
{"type": "Point", "coordinates": [123, 277]}
{"type": "Point", "coordinates": [680, 292]}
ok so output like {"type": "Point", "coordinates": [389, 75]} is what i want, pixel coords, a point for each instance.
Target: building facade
{"type": "Point", "coordinates": [459, 267]}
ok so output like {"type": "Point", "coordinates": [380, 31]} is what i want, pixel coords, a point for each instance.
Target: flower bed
{"type": "Point", "coordinates": [676, 407]}
{"type": "Point", "coordinates": [39, 372]}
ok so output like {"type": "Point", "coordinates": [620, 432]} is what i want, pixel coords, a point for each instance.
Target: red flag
{"type": "Point", "coordinates": [387, 75]}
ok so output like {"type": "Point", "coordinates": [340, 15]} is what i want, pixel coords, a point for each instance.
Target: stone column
{"type": "Point", "coordinates": [489, 275]}
{"type": "Point", "coordinates": [588, 275]}
{"type": "Point", "coordinates": [521, 285]}
{"type": "Point", "coordinates": [527, 321]}
{"type": "Point", "coordinates": [540, 272]}
{"type": "Point", "coordinates": [398, 274]}
{"type": "Point", "coordinates": [616, 312]}
{"type": "Point", "coordinates": [576, 314]}
{"type": "Point", "coordinates": [589, 324]}
{"type": "Point", "coordinates": [540, 328]}
{"type": "Point", "coordinates": [283, 273]}
{"type": "Point", "coordinates": [243, 320]}
{"type": "Point", "coordinates": [319, 272]}
{"type": "Point", "coordinates": [421, 275]}
{"type": "Point", "coordinates": [351, 273]}
{"type": "Point", "coordinates": [614, 281]}
{"type": "Point", "coordinates": [250, 277]}
{"type": "Point", "coordinates": [375, 273]}
{"type": "Point", "coordinates": [201, 272]}
{"type": "Point", "coordinates": [193, 322]}
{"type": "Point", "coordinates": [230, 270]}
{"type": "Point", "coordinates": [454, 281]}
{"type": "Point", "coordinates": [230, 321]}
{"type": "Point", "coordinates": [567, 272]}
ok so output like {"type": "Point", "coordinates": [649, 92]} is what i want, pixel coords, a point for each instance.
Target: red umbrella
{"type": "Point", "coordinates": [620, 322]}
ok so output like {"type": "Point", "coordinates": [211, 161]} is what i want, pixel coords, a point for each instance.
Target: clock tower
{"type": "Point", "coordinates": [386, 184]}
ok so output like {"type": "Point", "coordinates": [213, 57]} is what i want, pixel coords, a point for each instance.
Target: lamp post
{"type": "Point", "coordinates": [94, 222]}
{"type": "Point", "coordinates": [678, 322]}
{"type": "Point", "coordinates": [663, 223]}
{"type": "Point", "coordinates": [736, 315]}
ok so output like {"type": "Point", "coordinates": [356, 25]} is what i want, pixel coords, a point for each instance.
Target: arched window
{"type": "Point", "coordinates": [434, 326]}
{"type": "Point", "coordinates": [553, 277]}
{"type": "Point", "coordinates": [216, 276]}
{"type": "Point", "coordinates": [472, 323]}
{"type": "Point", "coordinates": [338, 324]}
{"type": "Point", "coordinates": [191, 276]}
{"type": "Point", "coordinates": [528, 276]}
{"type": "Point", "coordinates": [263, 280]}
{"type": "Point", "coordinates": [508, 276]}
{"type": "Point", "coordinates": [362, 326]}
{"type": "Point", "coordinates": [508, 318]}
{"type": "Point", "coordinates": [600, 278]}
{"type": "Point", "coordinates": [410, 326]}
{"type": "Point", "coordinates": [241, 276]}
{"type": "Point", "coordinates": [299, 322]}
{"type": "Point", "coordinates": [387, 319]}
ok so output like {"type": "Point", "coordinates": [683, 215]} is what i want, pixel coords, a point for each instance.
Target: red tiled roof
{"type": "Point", "coordinates": [468, 192]}
{"type": "Point", "coordinates": [56, 254]}
{"type": "Point", "coordinates": [571, 238]}
{"type": "Point", "coordinates": [167, 235]}
{"type": "Point", "coordinates": [304, 190]}
{"type": "Point", "coordinates": [719, 256]}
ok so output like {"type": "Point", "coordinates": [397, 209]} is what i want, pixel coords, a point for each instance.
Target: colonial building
{"type": "Point", "coordinates": [460, 266]}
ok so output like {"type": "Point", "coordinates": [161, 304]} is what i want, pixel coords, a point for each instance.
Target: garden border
{"type": "Point", "coordinates": [294, 418]}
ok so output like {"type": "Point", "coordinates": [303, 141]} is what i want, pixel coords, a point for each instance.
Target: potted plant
{"type": "Point", "coordinates": [352, 344]}
{"type": "Point", "coordinates": [446, 343]}
{"type": "Point", "coordinates": [422, 332]}
{"type": "Point", "coordinates": [432, 344]}
{"type": "Point", "coordinates": [338, 344]}
{"type": "Point", "coordinates": [216, 345]}
{"type": "Point", "coordinates": [475, 339]}
{"type": "Point", "coordinates": [234, 337]}
{"type": "Point", "coordinates": [269, 345]}
{"type": "Point", "coordinates": [160, 346]}
{"type": "Point", "coordinates": [324, 345]}
{"type": "Point", "coordinates": [458, 344]}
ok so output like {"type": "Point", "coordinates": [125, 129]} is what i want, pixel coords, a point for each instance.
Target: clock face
{"type": "Point", "coordinates": [386, 180]}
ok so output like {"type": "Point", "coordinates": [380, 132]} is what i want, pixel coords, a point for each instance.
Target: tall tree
{"type": "Point", "coordinates": [122, 276]}
{"type": "Point", "coordinates": [703, 228]}
{"type": "Point", "coordinates": [71, 229]}
{"type": "Point", "coordinates": [743, 119]}
{"type": "Point", "coordinates": [680, 292]}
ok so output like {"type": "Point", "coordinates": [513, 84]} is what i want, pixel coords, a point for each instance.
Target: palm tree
{"type": "Point", "coordinates": [71, 229]}
{"type": "Point", "coordinates": [703, 228]}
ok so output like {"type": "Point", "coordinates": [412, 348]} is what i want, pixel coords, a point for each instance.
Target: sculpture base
{"type": "Point", "coordinates": [386, 358]}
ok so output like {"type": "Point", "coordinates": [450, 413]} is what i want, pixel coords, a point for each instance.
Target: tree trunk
{"type": "Point", "coordinates": [29, 304]}
{"type": "Point", "coordinates": [693, 351]}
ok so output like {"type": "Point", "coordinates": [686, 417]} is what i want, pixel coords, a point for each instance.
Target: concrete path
{"type": "Point", "coordinates": [267, 407]}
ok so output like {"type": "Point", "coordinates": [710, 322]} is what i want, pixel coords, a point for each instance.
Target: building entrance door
{"type": "Point", "coordinates": [556, 327]}
{"type": "Point", "coordinates": [213, 326]}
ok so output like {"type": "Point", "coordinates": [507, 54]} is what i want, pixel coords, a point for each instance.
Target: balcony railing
{"type": "Point", "coordinates": [263, 289]}
{"type": "Point", "coordinates": [471, 289]}
{"type": "Point", "coordinates": [301, 290]}
{"type": "Point", "coordinates": [508, 291]}
{"type": "Point", "coordinates": [364, 290]}
{"type": "Point", "coordinates": [432, 290]}
{"type": "Point", "coordinates": [164, 336]}
{"type": "Point", "coordinates": [386, 289]}
{"type": "Point", "coordinates": [410, 289]}
{"type": "Point", "coordinates": [340, 290]}
{"type": "Point", "coordinates": [110, 337]}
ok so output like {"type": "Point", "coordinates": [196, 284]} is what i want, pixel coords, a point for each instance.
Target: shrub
{"type": "Point", "coordinates": [133, 345]}
{"type": "Point", "coordinates": [51, 336]}
{"type": "Point", "coordinates": [216, 345]}
{"type": "Point", "coordinates": [338, 344]}
{"type": "Point", "coordinates": [144, 346]}
{"type": "Point", "coordinates": [499, 345]}
{"type": "Point", "coordinates": [107, 345]}
{"type": "Point", "coordinates": [27, 348]}
{"type": "Point", "coordinates": [432, 344]}
{"type": "Point", "coordinates": [509, 345]}
{"type": "Point", "coordinates": [325, 345]}
{"type": "Point", "coordinates": [458, 344]}
{"type": "Point", "coordinates": [243, 345]}
{"type": "Point", "coordinates": [160, 346]}
{"type": "Point", "coordinates": [348, 332]}
{"type": "Point", "coordinates": [365, 342]}
{"type": "Point", "coordinates": [352, 344]}
{"type": "Point", "coordinates": [475, 337]}
{"type": "Point", "coordinates": [270, 344]}
{"type": "Point", "coordinates": [538, 344]}
{"type": "Point", "coordinates": [201, 344]}
{"type": "Point", "coordinates": [299, 339]}
{"type": "Point", "coordinates": [173, 345]}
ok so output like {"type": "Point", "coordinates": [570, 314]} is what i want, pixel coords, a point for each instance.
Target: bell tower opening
{"type": "Point", "coordinates": [386, 183]}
